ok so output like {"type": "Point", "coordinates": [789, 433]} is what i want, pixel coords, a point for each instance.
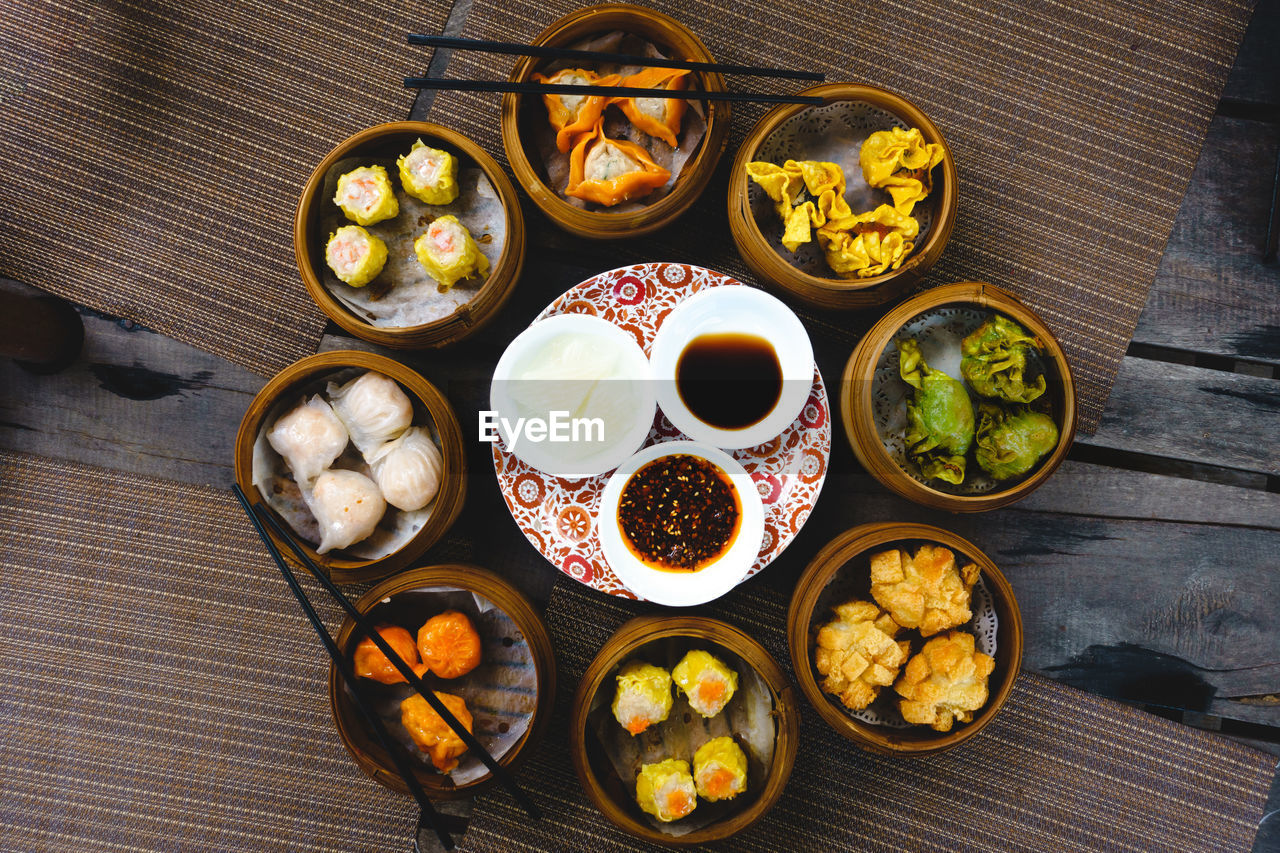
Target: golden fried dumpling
{"type": "Point", "coordinates": [857, 653]}
{"type": "Point", "coordinates": [946, 682]}
{"type": "Point", "coordinates": [926, 591]}
{"type": "Point", "coordinates": [824, 182]}
{"type": "Point", "coordinates": [868, 244]}
{"type": "Point", "coordinates": [431, 733]}
{"type": "Point", "coordinates": [900, 161]}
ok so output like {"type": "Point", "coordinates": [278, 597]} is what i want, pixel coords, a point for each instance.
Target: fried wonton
{"type": "Point", "coordinates": [857, 653]}
{"type": "Point", "coordinates": [945, 682]}
{"type": "Point", "coordinates": [926, 591]}
{"type": "Point", "coordinates": [807, 194]}
{"type": "Point", "coordinates": [994, 362]}
{"type": "Point", "coordinates": [940, 421]}
{"type": "Point", "coordinates": [868, 244]}
{"type": "Point", "coordinates": [901, 162]}
{"type": "Point", "coordinates": [1010, 441]}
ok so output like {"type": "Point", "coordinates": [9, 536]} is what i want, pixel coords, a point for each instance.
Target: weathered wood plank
{"type": "Point", "coordinates": [1213, 293]}
{"type": "Point", "coordinates": [1193, 414]}
{"type": "Point", "coordinates": [1255, 77]}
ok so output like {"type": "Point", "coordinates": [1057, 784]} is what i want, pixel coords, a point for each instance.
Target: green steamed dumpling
{"type": "Point", "coordinates": [1011, 441]}
{"type": "Point", "coordinates": [995, 360]}
{"type": "Point", "coordinates": [940, 424]}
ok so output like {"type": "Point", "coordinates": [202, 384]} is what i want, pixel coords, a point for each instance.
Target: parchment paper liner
{"type": "Point", "coordinates": [404, 293]}
{"type": "Point", "coordinates": [939, 332]}
{"type": "Point", "coordinates": [748, 717]}
{"type": "Point", "coordinates": [854, 581]}
{"type": "Point", "coordinates": [616, 126]}
{"type": "Point", "coordinates": [501, 693]}
{"type": "Point", "coordinates": [275, 483]}
{"type": "Point", "coordinates": [834, 134]}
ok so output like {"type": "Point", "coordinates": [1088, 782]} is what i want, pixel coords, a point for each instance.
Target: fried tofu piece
{"type": "Point", "coordinates": [945, 682]}
{"type": "Point", "coordinates": [857, 653]}
{"type": "Point", "coordinates": [925, 591]}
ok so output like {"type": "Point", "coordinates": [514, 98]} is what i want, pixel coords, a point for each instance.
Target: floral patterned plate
{"type": "Point", "coordinates": [558, 516]}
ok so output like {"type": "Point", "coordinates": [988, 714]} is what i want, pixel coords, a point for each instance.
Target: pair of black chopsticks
{"type": "Point", "coordinates": [365, 626]}
{"type": "Point", "coordinates": [606, 91]}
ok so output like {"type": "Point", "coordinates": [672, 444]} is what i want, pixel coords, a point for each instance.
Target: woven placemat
{"type": "Point", "coordinates": [157, 149]}
{"type": "Point", "coordinates": [1057, 770]}
{"type": "Point", "coordinates": [1075, 128]}
{"type": "Point", "coordinates": [161, 688]}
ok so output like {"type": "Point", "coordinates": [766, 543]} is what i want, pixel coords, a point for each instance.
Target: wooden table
{"type": "Point", "coordinates": [1146, 569]}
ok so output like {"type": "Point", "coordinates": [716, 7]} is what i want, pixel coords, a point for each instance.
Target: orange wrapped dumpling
{"type": "Point", "coordinates": [658, 117]}
{"type": "Point", "coordinates": [431, 733]}
{"type": "Point", "coordinates": [573, 115]}
{"type": "Point", "coordinates": [370, 662]}
{"type": "Point", "coordinates": [449, 644]}
{"type": "Point", "coordinates": [611, 171]}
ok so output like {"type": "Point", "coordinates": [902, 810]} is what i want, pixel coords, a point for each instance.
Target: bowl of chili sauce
{"type": "Point", "coordinates": [680, 523]}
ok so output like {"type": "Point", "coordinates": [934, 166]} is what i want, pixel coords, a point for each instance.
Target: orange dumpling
{"type": "Point", "coordinates": [370, 662]}
{"type": "Point", "coordinates": [611, 171]}
{"type": "Point", "coordinates": [658, 117]}
{"type": "Point", "coordinates": [431, 733]}
{"type": "Point", "coordinates": [573, 115]}
{"type": "Point", "coordinates": [449, 644]}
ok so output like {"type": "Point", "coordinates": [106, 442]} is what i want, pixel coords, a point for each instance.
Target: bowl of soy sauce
{"type": "Point", "coordinates": [733, 366]}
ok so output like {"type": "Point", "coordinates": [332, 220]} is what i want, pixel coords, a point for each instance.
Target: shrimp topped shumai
{"type": "Point", "coordinates": [643, 697]}
{"type": "Point", "coordinates": [666, 790]}
{"type": "Point", "coordinates": [705, 681]}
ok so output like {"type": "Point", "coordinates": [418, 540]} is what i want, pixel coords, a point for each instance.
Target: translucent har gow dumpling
{"type": "Point", "coordinates": [308, 438]}
{"type": "Point", "coordinates": [374, 409]}
{"type": "Point", "coordinates": [347, 505]}
{"type": "Point", "coordinates": [408, 470]}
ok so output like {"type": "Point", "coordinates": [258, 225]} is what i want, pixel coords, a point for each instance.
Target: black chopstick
{"type": "Point", "coordinates": [546, 52]}
{"type": "Point", "coordinates": [427, 812]}
{"type": "Point", "coordinates": [366, 627]}
{"type": "Point", "coordinates": [605, 91]}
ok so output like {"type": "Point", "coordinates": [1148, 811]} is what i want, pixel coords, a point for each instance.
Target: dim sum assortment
{"type": "Point", "coordinates": [343, 496]}
{"type": "Point", "coordinates": [809, 197]}
{"type": "Point", "coordinates": [1008, 430]}
{"type": "Point", "coordinates": [868, 645]}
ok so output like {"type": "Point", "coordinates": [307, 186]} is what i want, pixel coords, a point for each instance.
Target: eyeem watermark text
{"type": "Point", "coordinates": [559, 427]}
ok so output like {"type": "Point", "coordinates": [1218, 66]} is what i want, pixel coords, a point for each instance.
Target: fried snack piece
{"type": "Point", "coordinates": [857, 653]}
{"type": "Point", "coordinates": [925, 591]}
{"type": "Point", "coordinates": [901, 162]}
{"type": "Point", "coordinates": [824, 183]}
{"type": "Point", "coordinates": [449, 644]}
{"type": "Point", "coordinates": [868, 244]}
{"type": "Point", "coordinates": [945, 682]}
{"type": "Point", "coordinates": [431, 733]}
{"type": "Point", "coordinates": [370, 662]}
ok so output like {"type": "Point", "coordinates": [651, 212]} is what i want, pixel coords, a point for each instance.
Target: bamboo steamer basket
{"type": "Point", "coordinates": [835, 292]}
{"type": "Point", "coordinates": [308, 375]}
{"type": "Point", "coordinates": [388, 141]}
{"type": "Point", "coordinates": [519, 114]}
{"type": "Point", "coordinates": [361, 742]}
{"type": "Point", "coordinates": [845, 562]}
{"type": "Point", "coordinates": [857, 391]}
{"type": "Point", "coordinates": [599, 780]}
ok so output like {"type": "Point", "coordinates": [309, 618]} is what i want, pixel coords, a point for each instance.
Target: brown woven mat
{"type": "Point", "coordinates": [1075, 129]}
{"type": "Point", "coordinates": [1057, 770]}
{"type": "Point", "coordinates": [161, 688]}
{"type": "Point", "coordinates": [156, 151]}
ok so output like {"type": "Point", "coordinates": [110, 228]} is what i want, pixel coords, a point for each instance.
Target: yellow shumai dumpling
{"type": "Point", "coordinates": [870, 243]}
{"type": "Point", "coordinates": [901, 162]}
{"type": "Point", "coordinates": [355, 256]}
{"type": "Point", "coordinates": [643, 697]}
{"type": "Point", "coordinates": [666, 790]}
{"type": "Point", "coordinates": [449, 253]}
{"type": "Point", "coordinates": [706, 681]}
{"type": "Point", "coordinates": [365, 195]}
{"type": "Point", "coordinates": [720, 769]}
{"type": "Point", "coordinates": [429, 174]}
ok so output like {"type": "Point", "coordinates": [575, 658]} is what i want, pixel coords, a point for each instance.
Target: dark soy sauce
{"type": "Point", "coordinates": [729, 380]}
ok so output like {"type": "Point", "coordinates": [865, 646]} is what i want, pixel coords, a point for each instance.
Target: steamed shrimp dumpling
{"type": "Point", "coordinates": [347, 505]}
{"type": "Point", "coordinates": [309, 438]}
{"type": "Point", "coordinates": [408, 470]}
{"type": "Point", "coordinates": [374, 410]}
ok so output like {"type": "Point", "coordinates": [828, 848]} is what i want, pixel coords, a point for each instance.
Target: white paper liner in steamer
{"type": "Point", "coordinates": [413, 297]}
{"type": "Point", "coordinates": [832, 134]}
{"type": "Point", "coordinates": [748, 717]}
{"type": "Point", "coordinates": [693, 126]}
{"type": "Point", "coordinates": [273, 480]}
{"type": "Point", "coordinates": [501, 693]}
